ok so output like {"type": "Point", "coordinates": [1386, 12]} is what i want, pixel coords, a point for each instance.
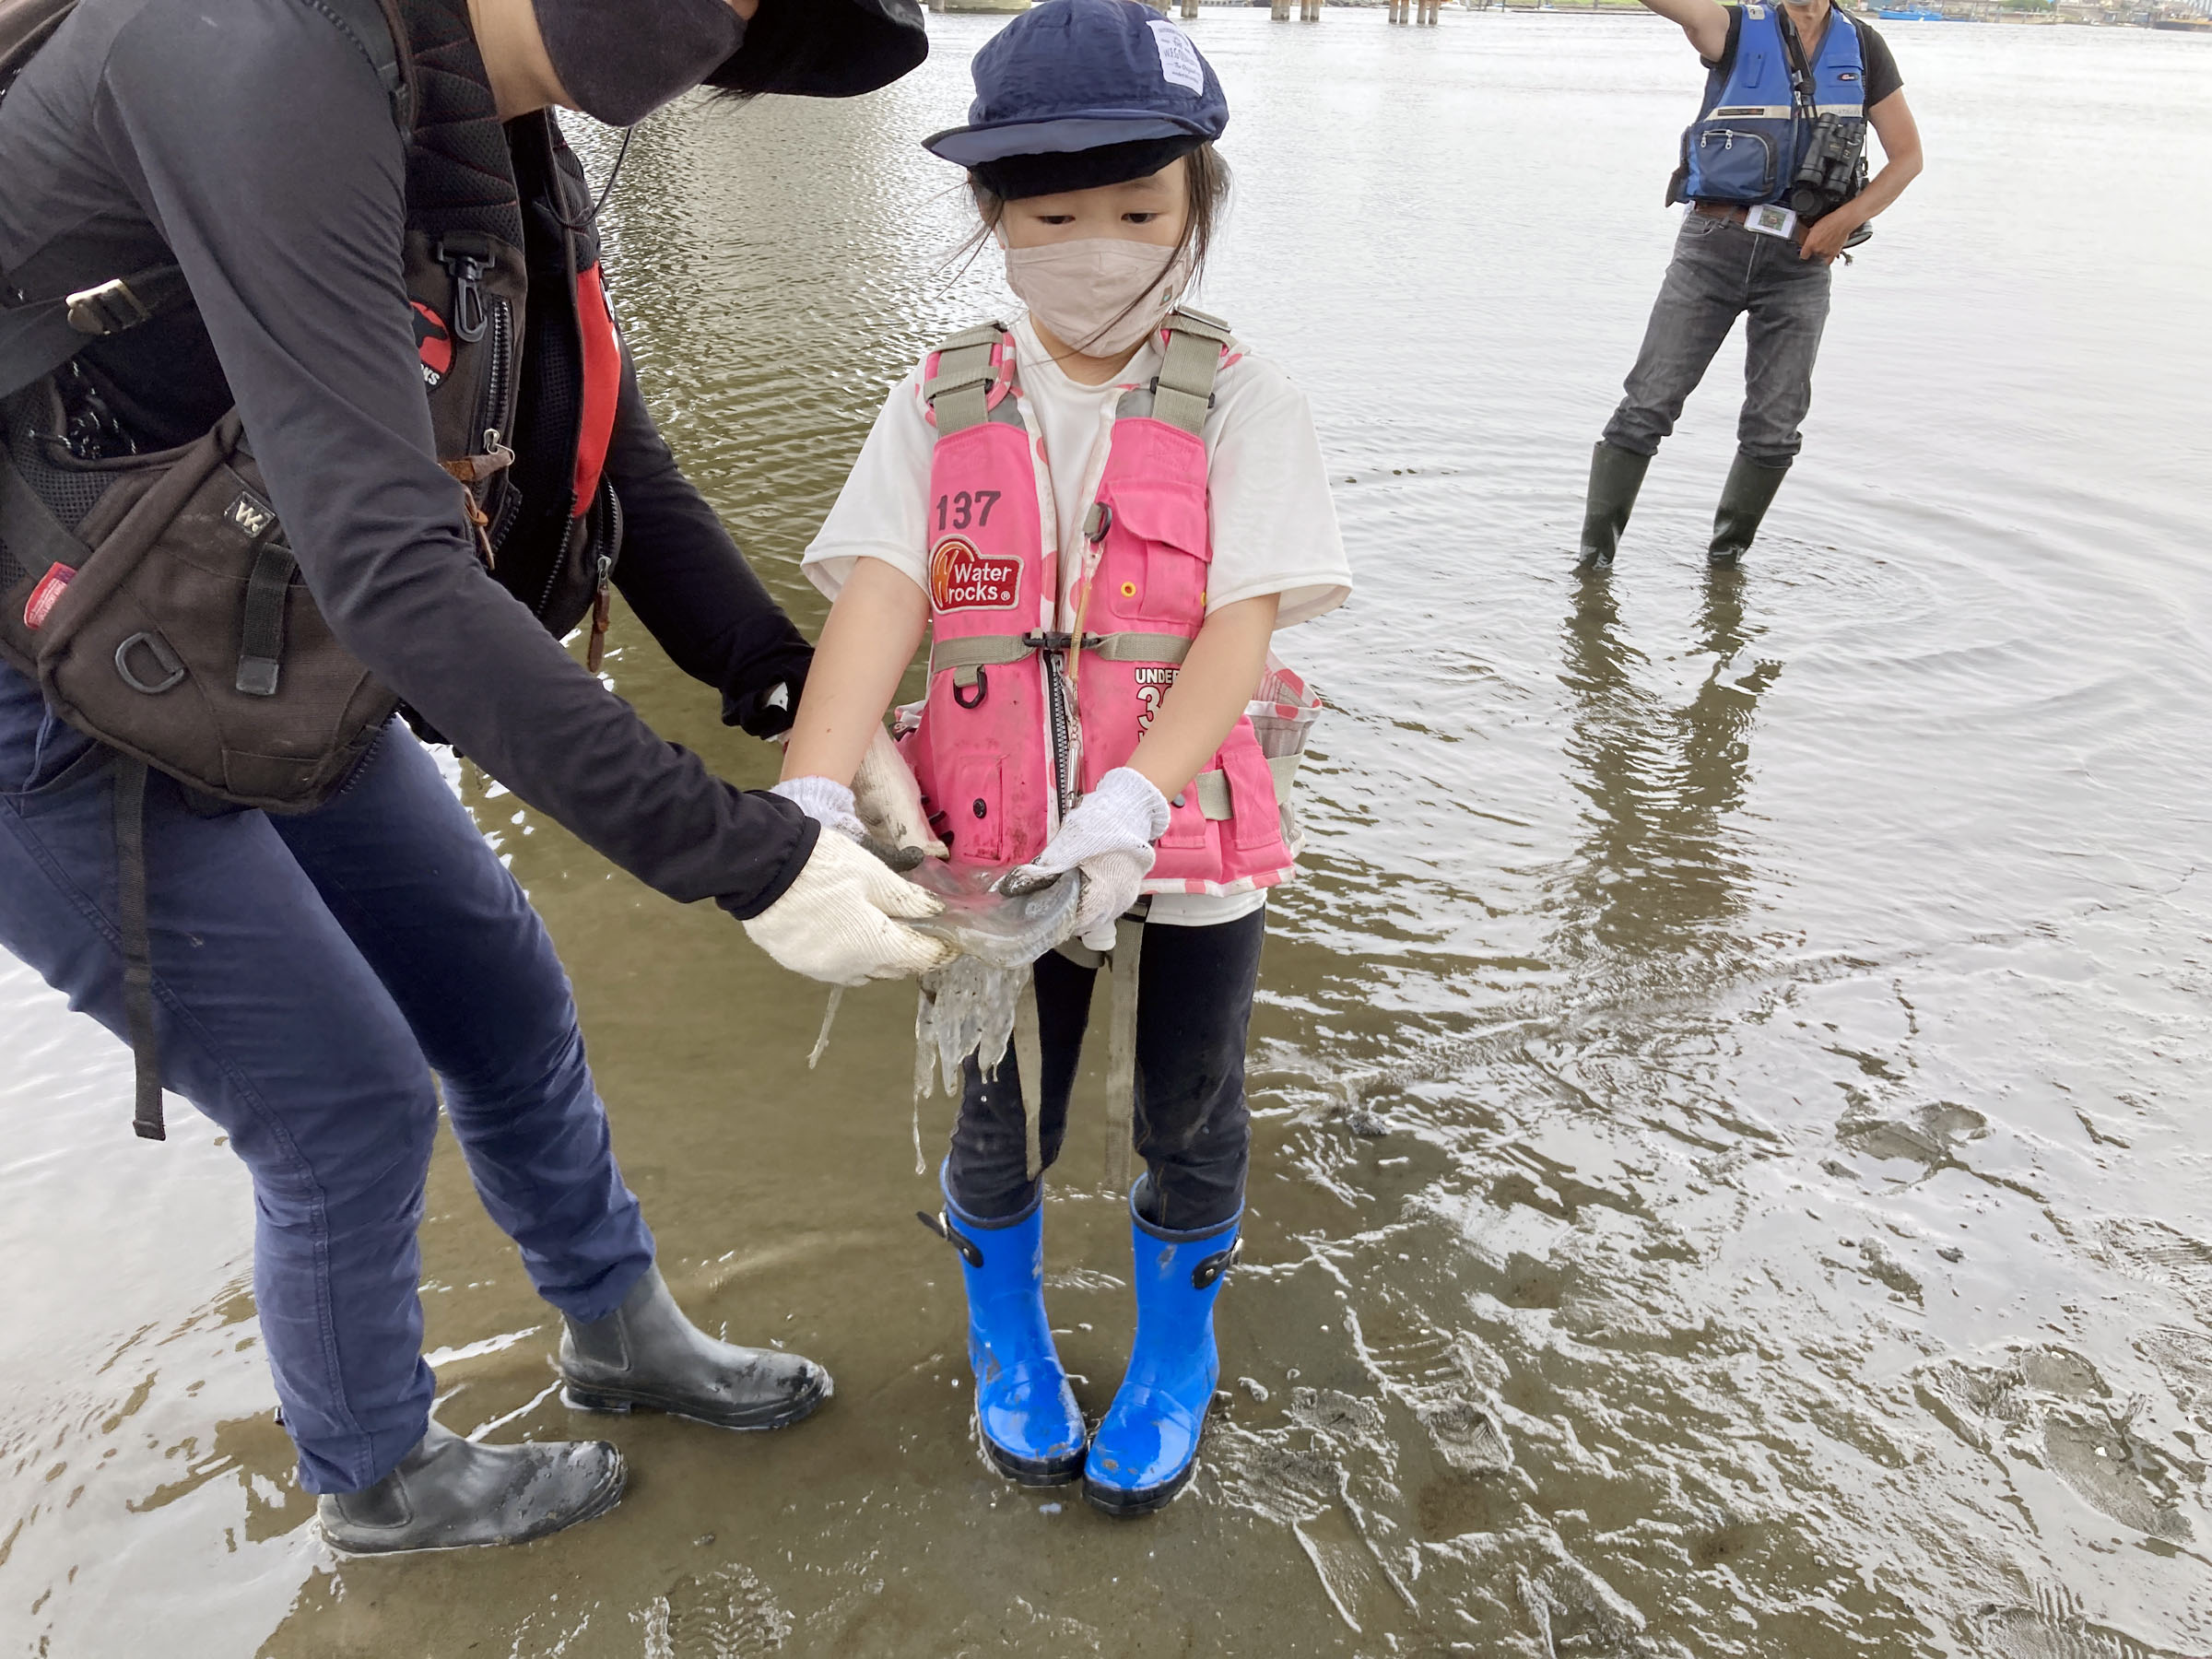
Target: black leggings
{"type": "Point", "coordinates": [1193, 1002]}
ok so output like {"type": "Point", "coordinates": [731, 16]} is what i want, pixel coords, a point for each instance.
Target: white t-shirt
{"type": "Point", "coordinates": [1274, 524]}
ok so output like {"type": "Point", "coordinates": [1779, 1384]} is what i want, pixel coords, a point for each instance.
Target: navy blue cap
{"type": "Point", "coordinates": [1081, 74]}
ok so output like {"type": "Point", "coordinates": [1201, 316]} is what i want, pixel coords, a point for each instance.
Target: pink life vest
{"type": "Point", "coordinates": [1006, 742]}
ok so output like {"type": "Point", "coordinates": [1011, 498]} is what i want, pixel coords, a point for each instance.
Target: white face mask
{"type": "Point", "coordinates": [1102, 295]}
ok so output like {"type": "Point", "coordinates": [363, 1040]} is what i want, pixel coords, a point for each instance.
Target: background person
{"type": "Point", "coordinates": [1773, 174]}
{"type": "Point", "coordinates": [1158, 496]}
{"type": "Point", "coordinates": [312, 972]}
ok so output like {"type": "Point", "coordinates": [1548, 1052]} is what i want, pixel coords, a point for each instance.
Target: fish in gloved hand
{"type": "Point", "coordinates": [889, 803]}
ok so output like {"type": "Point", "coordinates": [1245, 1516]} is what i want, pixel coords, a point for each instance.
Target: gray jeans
{"type": "Point", "coordinates": [1722, 271]}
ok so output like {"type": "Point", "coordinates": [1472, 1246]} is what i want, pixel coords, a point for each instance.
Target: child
{"type": "Point", "coordinates": [1102, 513]}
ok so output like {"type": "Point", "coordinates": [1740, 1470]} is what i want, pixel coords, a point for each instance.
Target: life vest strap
{"type": "Point", "coordinates": [1121, 1050]}
{"type": "Point", "coordinates": [960, 393]}
{"type": "Point", "coordinates": [1028, 1061]}
{"type": "Point", "coordinates": [1212, 787]}
{"type": "Point", "coordinates": [1137, 647]}
{"type": "Point", "coordinates": [1184, 391]}
{"type": "Point", "coordinates": [965, 655]}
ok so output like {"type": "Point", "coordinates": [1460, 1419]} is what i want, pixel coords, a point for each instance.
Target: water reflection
{"type": "Point", "coordinates": [1661, 868]}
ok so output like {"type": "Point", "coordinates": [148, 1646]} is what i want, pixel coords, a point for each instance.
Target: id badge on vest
{"type": "Point", "coordinates": [1771, 218]}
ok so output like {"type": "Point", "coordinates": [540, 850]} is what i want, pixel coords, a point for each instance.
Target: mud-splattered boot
{"type": "Point", "coordinates": [449, 1493]}
{"type": "Point", "coordinates": [1147, 1448]}
{"type": "Point", "coordinates": [1745, 498]}
{"type": "Point", "coordinates": [1616, 474]}
{"type": "Point", "coordinates": [646, 1354]}
{"type": "Point", "coordinates": [1032, 1428]}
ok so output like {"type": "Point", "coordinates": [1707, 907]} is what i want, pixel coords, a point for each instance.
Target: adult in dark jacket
{"type": "Point", "coordinates": [313, 971]}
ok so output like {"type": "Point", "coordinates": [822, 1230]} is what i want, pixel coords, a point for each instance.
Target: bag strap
{"type": "Point", "coordinates": [960, 393]}
{"type": "Point", "coordinates": [261, 639]}
{"type": "Point", "coordinates": [137, 946]}
{"type": "Point", "coordinates": [33, 537]}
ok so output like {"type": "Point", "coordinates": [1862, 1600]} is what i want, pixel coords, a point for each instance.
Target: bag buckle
{"type": "Point", "coordinates": [106, 310]}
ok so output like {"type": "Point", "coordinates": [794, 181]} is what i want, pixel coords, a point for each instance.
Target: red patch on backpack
{"type": "Point", "coordinates": [433, 345]}
{"type": "Point", "coordinates": [47, 594]}
{"type": "Point", "coordinates": [962, 579]}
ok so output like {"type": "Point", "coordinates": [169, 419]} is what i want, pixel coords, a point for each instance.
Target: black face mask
{"type": "Point", "coordinates": [621, 60]}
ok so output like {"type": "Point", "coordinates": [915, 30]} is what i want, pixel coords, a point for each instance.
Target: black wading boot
{"type": "Point", "coordinates": [1744, 502]}
{"type": "Point", "coordinates": [646, 1353]}
{"type": "Point", "coordinates": [450, 1494]}
{"type": "Point", "coordinates": [1616, 474]}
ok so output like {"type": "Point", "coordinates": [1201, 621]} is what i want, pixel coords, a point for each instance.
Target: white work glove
{"type": "Point", "coordinates": [836, 921]}
{"type": "Point", "coordinates": [826, 801]}
{"type": "Point", "coordinates": [1109, 837]}
{"type": "Point", "coordinates": [889, 801]}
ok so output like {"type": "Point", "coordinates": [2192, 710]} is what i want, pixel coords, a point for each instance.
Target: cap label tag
{"type": "Point", "coordinates": [1179, 61]}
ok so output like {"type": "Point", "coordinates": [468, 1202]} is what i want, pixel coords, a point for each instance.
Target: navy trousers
{"type": "Point", "coordinates": [311, 975]}
{"type": "Point", "coordinates": [1192, 1127]}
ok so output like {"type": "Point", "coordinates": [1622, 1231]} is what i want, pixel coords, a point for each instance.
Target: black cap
{"type": "Point", "coordinates": [825, 47]}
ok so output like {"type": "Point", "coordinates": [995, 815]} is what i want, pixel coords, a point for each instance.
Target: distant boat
{"type": "Point", "coordinates": [1911, 14]}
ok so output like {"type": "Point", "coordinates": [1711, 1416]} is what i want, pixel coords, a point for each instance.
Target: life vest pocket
{"type": "Point", "coordinates": [1157, 553]}
{"type": "Point", "coordinates": [1188, 828]}
{"type": "Point", "coordinates": [1730, 163]}
{"type": "Point", "coordinates": [975, 809]}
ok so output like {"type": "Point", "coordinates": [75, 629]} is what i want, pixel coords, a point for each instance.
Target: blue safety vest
{"type": "Point", "coordinates": [1747, 145]}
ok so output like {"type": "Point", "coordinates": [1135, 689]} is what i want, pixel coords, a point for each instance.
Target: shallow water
{"type": "Point", "coordinates": [1731, 1175]}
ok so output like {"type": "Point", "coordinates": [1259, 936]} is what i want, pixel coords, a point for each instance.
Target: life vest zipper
{"type": "Point", "coordinates": [603, 603]}
{"type": "Point", "coordinates": [1056, 701]}
{"type": "Point", "coordinates": [560, 558]}
{"type": "Point", "coordinates": [491, 415]}
{"type": "Point", "coordinates": [491, 408]}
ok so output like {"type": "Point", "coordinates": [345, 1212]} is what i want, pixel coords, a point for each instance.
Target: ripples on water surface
{"type": "Point", "coordinates": [1732, 1167]}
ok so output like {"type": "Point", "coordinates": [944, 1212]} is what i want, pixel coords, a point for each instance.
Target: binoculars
{"type": "Point", "coordinates": [1834, 166]}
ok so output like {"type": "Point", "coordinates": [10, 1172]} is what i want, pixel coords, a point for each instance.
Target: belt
{"type": "Point", "coordinates": [1734, 215]}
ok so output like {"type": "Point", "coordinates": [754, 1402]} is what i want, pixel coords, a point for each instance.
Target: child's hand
{"type": "Point", "coordinates": [1109, 837]}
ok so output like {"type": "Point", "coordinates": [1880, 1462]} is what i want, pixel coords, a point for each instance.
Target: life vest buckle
{"type": "Point", "coordinates": [109, 309]}
{"type": "Point", "coordinates": [1038, 639]}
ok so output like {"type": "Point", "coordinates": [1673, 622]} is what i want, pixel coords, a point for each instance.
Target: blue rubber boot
{"type": "Point", "coordinates": [1146, 1449]}
{"type": "Point", "coordinates": [1032, 1426]}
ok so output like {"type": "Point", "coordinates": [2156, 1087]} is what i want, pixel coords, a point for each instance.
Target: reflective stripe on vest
{"type": "Point", "coordinates": [993, 759]}
{"type": "Point", "coordinates": [1745, 147]}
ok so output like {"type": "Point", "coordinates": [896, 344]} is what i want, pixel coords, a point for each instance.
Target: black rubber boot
{"type": "Point", "coordinates": [450, 1494]}
{"type": "Point", "coordinates": [1616, 474]}
{"type": "Point", "coordinates": [646, 1353]}
{"type": "Point", "coordinates": [1744, 502]}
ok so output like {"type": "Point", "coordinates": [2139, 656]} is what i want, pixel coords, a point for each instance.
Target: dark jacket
{"type": "Point", "coordinates": [253, 142]}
